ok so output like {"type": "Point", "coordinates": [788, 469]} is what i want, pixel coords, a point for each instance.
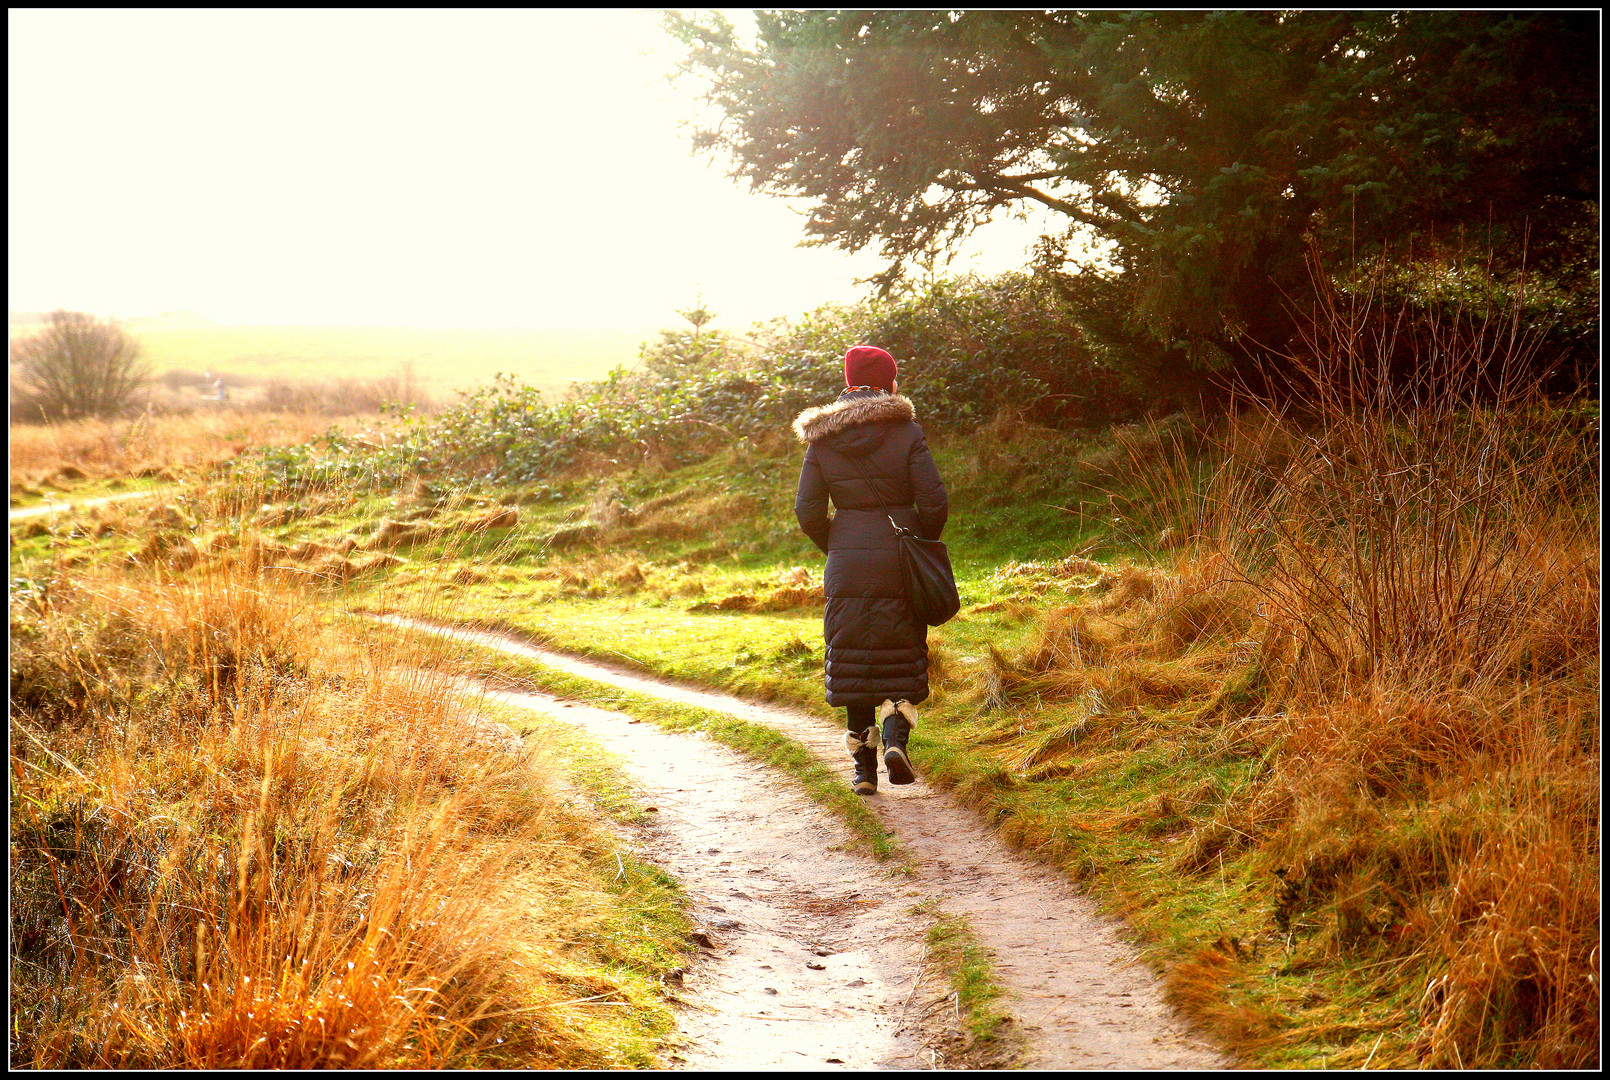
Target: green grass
{"type": "Point", "coordinates": [992, 1041]}
{"type": "Point", "coordinates": [39, 544]}
{"type": "Point", "coordinates": [23, 497]}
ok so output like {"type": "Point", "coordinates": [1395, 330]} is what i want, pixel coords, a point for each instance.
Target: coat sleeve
{"type": "Point", "coordinates": [933, 505]}
{"type": "Point", "coordinates": [810, 501]}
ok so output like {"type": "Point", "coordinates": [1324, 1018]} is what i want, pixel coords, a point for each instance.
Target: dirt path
{"type": "Point", "coordinates": [766, 870]}
{"type": "Point", "coordinates": [68, 503]}
{"type": "Point", "coordinates": [810, 956]}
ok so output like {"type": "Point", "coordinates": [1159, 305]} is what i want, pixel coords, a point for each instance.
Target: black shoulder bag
{"type": "Point", "coordinates": [930, 582]}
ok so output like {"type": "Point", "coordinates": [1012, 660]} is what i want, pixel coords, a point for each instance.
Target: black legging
{"type": "Point", "coordinates": [860, 717]}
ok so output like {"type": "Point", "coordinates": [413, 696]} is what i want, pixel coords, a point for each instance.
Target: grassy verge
{"type": "Point", "coordinates": [1156, 726]}
{"type": "Point", "coordinates": [242, 839]}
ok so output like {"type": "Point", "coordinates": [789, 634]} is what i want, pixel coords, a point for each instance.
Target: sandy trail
{"type": "Point", "coordinates": [810, 956]}
{"type": "Point", "coordinates": [763, 866]}
{"type": "Point", "coordinates": [68, 503]}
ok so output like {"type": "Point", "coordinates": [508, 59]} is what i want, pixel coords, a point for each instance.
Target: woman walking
{"type": "Point", "coordinates": [866, 454]}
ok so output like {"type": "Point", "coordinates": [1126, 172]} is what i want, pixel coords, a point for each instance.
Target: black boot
{"type": "Point", "coordinates": [863, 747]}
{"type": "Point", "coordinates": [898, 718]}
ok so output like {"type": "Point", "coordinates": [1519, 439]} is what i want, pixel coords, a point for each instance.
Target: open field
{"type": "Point", "coordinates": [443, 360]}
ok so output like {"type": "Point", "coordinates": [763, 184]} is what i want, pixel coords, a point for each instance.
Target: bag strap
{"type": "Point", "coordinates": [871, 483]}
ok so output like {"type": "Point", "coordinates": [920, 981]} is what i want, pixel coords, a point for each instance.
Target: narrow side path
{"type": "Point", "coordinates": [68, 503]}
{"type": "Point", "coordinates": [1081, 995]}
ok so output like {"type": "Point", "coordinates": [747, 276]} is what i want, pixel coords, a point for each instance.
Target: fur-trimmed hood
{"type": "Point", "coordinates": [852, 411]}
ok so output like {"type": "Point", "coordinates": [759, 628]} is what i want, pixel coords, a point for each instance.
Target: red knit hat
{"type": "Point", "coordinates": [868, 365]}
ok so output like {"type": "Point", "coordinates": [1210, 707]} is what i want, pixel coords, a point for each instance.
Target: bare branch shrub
{"type": "Point", "coordinates": [1418, 519]}
{"type": "Point", "coordinates": [1423, 547]}
{"type": "Point", "coordinates": [77, 366]}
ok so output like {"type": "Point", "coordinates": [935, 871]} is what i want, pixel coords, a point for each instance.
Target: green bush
{"type": "Point", "coordinates": [969, 349]}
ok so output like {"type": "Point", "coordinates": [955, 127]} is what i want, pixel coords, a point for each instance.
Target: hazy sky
{"type": "Point", "coordinates": [483, 168]}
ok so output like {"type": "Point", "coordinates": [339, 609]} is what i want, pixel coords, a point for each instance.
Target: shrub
{"type": "Point", "coordinates": [77, 366]}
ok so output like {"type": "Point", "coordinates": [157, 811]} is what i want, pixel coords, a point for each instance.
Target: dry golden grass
{"type": "Point", "coordinates": [103, 449]}
{"type": "Point", "coordinates": [239, 840]}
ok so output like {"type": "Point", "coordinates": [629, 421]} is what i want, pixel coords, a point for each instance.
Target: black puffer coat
{"type": "Point", "coordinates": [875, 649]}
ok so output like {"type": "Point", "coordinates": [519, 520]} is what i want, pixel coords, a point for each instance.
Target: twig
{"type": "Point", "coordinates": [552, 1005]}
{"type": "Point", "coordinates": [1374, 1048]}
{"type": "Point", "coordinates": [922, 962]}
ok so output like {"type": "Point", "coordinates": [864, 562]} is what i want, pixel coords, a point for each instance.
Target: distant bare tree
{"type": "Point", "coordinates": [77, 366]}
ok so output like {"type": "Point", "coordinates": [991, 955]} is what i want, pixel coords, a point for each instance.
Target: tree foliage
{"type": "Point", "coordinates": [78, 366]}
{"type": "Point", "coordinates": [1196, 156]}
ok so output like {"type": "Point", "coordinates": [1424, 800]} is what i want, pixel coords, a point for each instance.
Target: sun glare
{"type": "Point", "coordinates": [484, 168]}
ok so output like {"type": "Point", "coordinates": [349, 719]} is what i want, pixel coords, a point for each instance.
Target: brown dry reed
{"type": "Point", "coordinates": [243, 839]}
